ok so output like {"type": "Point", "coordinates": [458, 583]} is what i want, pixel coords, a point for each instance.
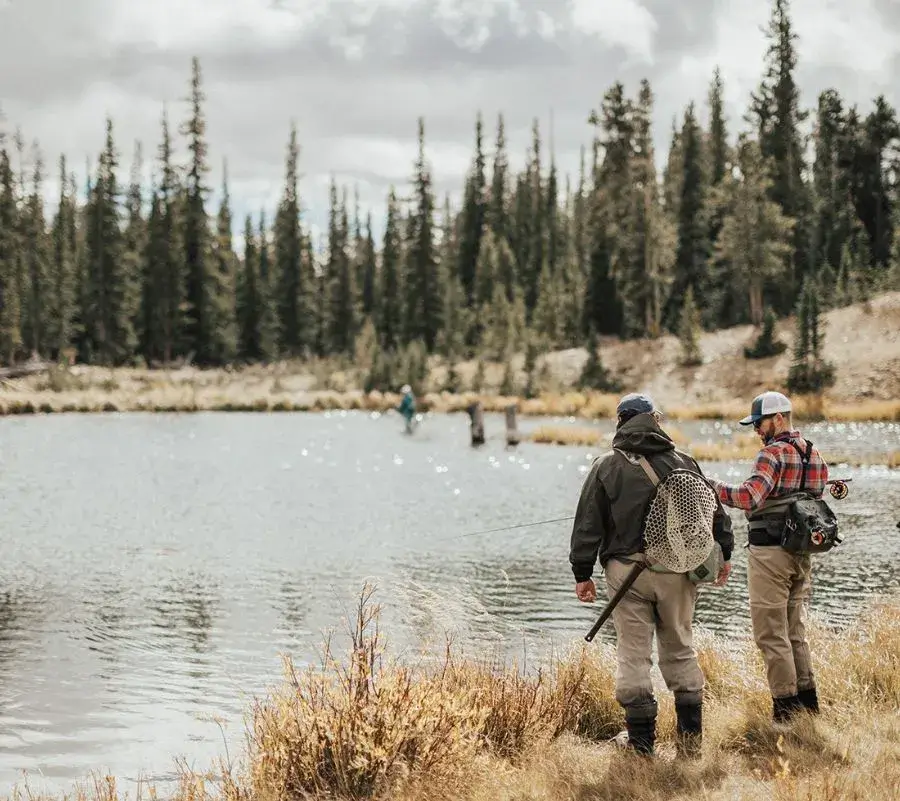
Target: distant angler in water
{"type": "Point", "coordinates": [407, 407]}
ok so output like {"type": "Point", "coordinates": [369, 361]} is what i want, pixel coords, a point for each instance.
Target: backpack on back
{"type": "Point", "coordinates": [678, 523]}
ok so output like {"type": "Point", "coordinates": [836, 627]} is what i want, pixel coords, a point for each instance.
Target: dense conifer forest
{"type": "Point", "coordinates": [787, 209]}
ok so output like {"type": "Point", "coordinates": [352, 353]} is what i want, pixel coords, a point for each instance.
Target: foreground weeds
{"type": "Point", "coordinates": [366, 726]}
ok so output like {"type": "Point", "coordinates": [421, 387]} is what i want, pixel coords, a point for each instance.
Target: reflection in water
{"type": "Point", "coordinates": [185, 612]}
{"type": "Point", "coordinates": [219, 542]}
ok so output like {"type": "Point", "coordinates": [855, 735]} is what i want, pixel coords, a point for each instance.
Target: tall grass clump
{"type": "Point", "coordinates": [352, 729]}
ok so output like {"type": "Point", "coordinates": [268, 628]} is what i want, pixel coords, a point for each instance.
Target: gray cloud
{"type": "Point", "coordinates": [355, 86]}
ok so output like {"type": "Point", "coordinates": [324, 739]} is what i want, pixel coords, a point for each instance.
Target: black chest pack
{"type": "Point", "coordinates": [809, 525]}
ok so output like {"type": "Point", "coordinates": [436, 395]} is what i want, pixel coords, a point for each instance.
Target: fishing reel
{"type": "Point", "coordinates": [839, 489]}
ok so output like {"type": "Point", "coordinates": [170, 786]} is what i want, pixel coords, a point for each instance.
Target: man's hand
{"type": "Point", "coordinates": [586, 591]}
{"type": "Point", "coordinates": [724, 573]}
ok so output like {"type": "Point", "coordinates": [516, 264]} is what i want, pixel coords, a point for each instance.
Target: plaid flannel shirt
{"type": "Point", "coordinates": [777, 472]}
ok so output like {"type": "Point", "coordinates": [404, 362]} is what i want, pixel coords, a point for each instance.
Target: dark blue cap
{"type": "Point", "coordinates": [635, 403]}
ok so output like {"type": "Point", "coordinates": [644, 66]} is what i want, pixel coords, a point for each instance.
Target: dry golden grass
{"type": "Point", "coordinates": [568, 435]}
{"type": "Point", "coordinates": [321, 386]}
{"type": "Point", "coordinates": [370, 727]}
{"type": "Point", "coordinates": [741, 448]}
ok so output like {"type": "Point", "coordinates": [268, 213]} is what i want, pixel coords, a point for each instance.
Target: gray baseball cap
{"type": "Point", "coordinates": [637, 403]}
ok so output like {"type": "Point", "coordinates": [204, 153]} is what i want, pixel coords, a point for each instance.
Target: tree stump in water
{"type": "Point", "coordinates": [512, 431]}
{"type": "Point", "coordinates": [476, 423]}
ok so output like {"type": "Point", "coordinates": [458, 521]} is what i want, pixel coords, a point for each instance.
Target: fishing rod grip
{"type": "Point", "coordinates": [636, 570]}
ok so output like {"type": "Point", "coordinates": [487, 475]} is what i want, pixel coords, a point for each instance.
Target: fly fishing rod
{"type": "Point", "coordinates": [836, 486]}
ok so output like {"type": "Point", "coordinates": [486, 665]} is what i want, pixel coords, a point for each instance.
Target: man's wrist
{"type": "Point", "coordinates": [582, 572]}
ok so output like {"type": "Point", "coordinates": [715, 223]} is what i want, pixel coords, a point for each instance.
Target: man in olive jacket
{"type": "Point", "coordinates": [609, 523]}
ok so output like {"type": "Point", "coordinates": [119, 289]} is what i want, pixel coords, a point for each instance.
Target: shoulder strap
{"type": "Point", "coordinates": [642, 461]}
{"type": "Point", "coordinates": [804, 461]}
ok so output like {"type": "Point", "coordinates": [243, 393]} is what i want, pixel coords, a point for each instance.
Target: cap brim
{"type": "Point", "coordinates": [749, 420]}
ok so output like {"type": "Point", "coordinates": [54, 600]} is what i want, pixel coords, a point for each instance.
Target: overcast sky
{"type": "Point", "coordinates": [355, 75]}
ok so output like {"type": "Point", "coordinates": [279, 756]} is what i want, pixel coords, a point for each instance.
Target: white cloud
{"type": "Point", "coordinates": [623, 23]}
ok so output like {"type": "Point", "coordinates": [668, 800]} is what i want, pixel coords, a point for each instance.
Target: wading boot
{"type": "Point", "coordinates": [688, 730]}
{"type": "Point", "coordinates": [784, 709]}
{"type": "Point", "coordinates": [810, 700]}
{"type": "Point", "coordinates": [640, 723]}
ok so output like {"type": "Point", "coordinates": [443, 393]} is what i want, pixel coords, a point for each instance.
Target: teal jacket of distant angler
{"type": "Point", "coordinates": [616, 494]}
{"type": "Point", "coordinates": [407, 406]}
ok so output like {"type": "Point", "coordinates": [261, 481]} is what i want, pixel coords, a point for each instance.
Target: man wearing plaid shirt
{"type": "Point", "coordinates": [779, 582]}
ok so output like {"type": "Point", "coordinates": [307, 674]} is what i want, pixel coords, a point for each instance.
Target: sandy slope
{"type": "Point", "coordinates": [864, 346]}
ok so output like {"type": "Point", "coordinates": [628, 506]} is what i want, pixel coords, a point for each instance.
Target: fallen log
{"type": "Point", "coordinates": [22, 370]}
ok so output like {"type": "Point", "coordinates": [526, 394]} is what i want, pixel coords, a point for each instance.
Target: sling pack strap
{"type": "Point", "coordinates": [804, 461]}
{"type": "Point", "coordinates": [642, 461]}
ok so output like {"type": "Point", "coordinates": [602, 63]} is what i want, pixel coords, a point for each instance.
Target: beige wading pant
{"type": "Point", "coordinates": [662, 603]}
{"type": "Point", "coordinates": [779, 583]}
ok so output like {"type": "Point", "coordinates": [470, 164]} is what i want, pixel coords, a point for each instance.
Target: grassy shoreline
{"type": "Point", "coordinates": [186, 390]}
{"type": "Point", "coordinates": [743, 447]}
{"type": "Point", "coordinates": [365, 726]}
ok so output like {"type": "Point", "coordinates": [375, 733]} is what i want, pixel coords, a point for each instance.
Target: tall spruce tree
{"type": "Point", "coordinates": [296, 299]}
{"type": "Point", "coordinates": [61, 289]}
{"type": "Point", "coordinates": [390, 311]}
{"type": "Point", "coordinates": [691, 268]}
{"type": "Point", "coordinates": [424, 286]}
{"type": "Point", "coordinates": [755, 238]}
{"type": "Point", "coordinates": [223, 277]}
{"type": "Point", "coordinates": [339, 275]}
{"type": "Point", "coordinates": [249, 303]}
{"type": "Point", "coordinates": [268, 309]}
{"type": "Point", "coordinates": [37, 262]}
{"type": "Point", "coordinates": [10, 244]}
{"type": "Point", "coordinates": [473, 216]}
{"type": "Point", "coordinates": [111, 330]}
{"type": "Point", "coordinates": [163, 291]}
{"type": "Point", "coordinates": [775, 110]}
{"type": "Point", "coordinates": [135, 245]}
{"type": "Point", "coordinates": [201, 337]}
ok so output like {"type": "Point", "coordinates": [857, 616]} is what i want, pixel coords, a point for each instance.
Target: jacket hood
{"type": "Point", "coordinates": [642, 434]}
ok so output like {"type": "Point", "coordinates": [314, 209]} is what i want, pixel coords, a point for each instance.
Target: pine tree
{"type": "Point", "coordinates": [223, 277]}
{"type": "Point", "coordinates": [594, 375]}
{"type": "Point", "coordinates": [498, 206]}
{"type": "Point", "coordinates": [689, 329]}
{"type": "Point", "coordinates": [162, 300]}
{"type": "Point", "coordinates": [37, 263]}
{"type": "Point", "coordinates": [295, 298]}
{"type": "Point", "coordinates": [339, 273]}
{"type": "Point", "coordinates": [111, 331]}
{"type": "Point", "coordinates": [831, 220]}
{"type": "Point", "coordinates": [10, 244]}
{"type": "Point", "coordinates": [248, 298]}
{"type": "Point", "coordinates": [721, 309]}
{"type": "Point", "coordinates": [135, 244]}
{"type": "Point", "coordinates": [424, 285]}
{"type": "Point", "coordinates": [646, 275]}
{"type": "Point", "coordinates": [473, 216]}
{"type": "Point", "coordinates": [611, 214]}
{"type": "Point", "coordinates": [691, 268]}
{"type": "Point", "coordinates": [369, 271]}
{"type": "Point", "coordinates": [755, 236]}
{"type": "Point", "coordinates": [718, 131]}
{"type": "Point", "coordinates": [810, 373]}
{"type": "Point", "coordinates": [268, 309]}
{"type": "Point", "coordinates": [767, 344]}
{"type": "Point", "coordinates": [200, 292]}
{"type": "Point", "coordinates": [390, 317]}
{"type": "Point", "coordinates": [775, 109]}
{"type": "Point", "coordinates": [61, 294]}
{"type": "Point", "coordinates": [452, 342]}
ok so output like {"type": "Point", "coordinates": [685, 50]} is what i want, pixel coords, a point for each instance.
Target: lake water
{"type": "Point", "coordinates": [154, 567]}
